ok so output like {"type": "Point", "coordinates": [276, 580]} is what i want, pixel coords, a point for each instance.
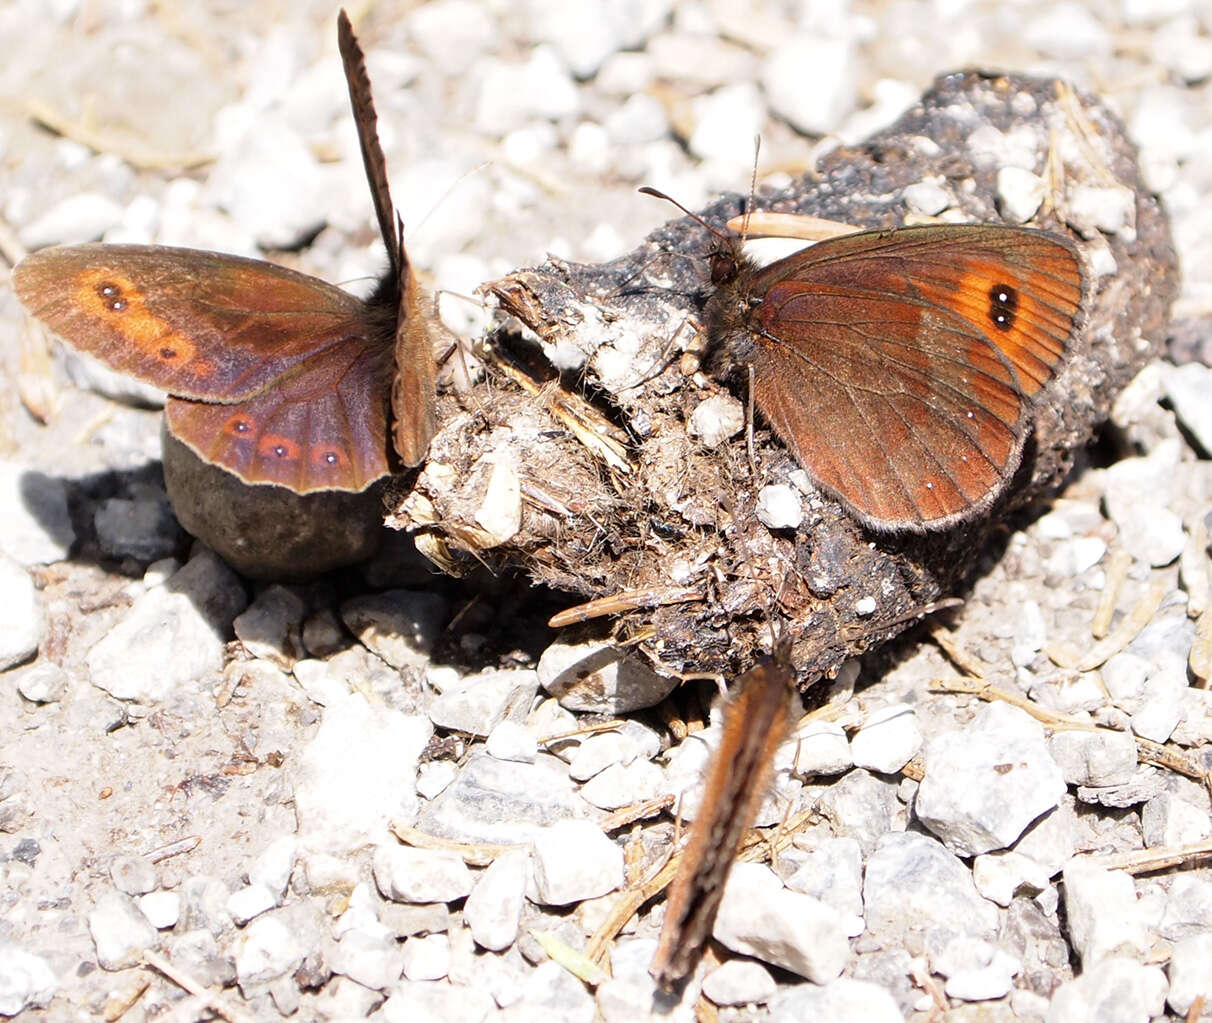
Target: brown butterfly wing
{"type": "Point", "coordinates": [898, 367]}
{"type": "Point", "coordinates": [755, 723]}
{"type": "Point", "coordinates": [414, 386]}
{"type": "Point", "coordinates": [258, 350]}
{"type": "Point", "coordinates": [198, 324]}
{"type": "Point", "coordinates": [322, 429]}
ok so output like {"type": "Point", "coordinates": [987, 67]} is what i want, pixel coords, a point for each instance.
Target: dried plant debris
{"type": "Point", "coordinates": [692, 545]}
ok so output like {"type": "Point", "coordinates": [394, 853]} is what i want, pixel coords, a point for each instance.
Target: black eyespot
{"type": "Point", "coordinates": [1003, 306]}
{"type": "Point", "coordinates": [280, 450]}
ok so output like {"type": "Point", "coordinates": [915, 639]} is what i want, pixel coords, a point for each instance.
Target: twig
{"type": "Point", "coordinates": [215, 1002]}
{"type": "Point", "coordinates": [1142, 861]}
{"type": "Point", "coordinates": [625, 600]}
{"type": "Point", "coordinates": [477, 854]}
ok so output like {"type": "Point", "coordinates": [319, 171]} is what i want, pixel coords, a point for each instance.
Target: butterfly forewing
{"type": "Point", "coordinates": [198, 324]}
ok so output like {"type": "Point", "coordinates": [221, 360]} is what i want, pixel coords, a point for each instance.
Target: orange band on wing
{"type": "Point", "coordinates": [116, 300]}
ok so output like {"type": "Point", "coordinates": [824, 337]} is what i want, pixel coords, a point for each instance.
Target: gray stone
{"type": "Point", "coordinates": [427, 958]}
{"type": "Point", "coordinates": [779, 507]}
{"type": "Point", "coordinates": [270, 626]}
{"type": "Point", "coordinates": [1188, 908]}
{"type": "Point", "coordinates": [405, 874]}
{"type": "Point", "coordinates": [249, 902]}
{"type": "Point", "coordinates": [41, 682]}
{"type": "Point", "coordinates": [357, 774]}
{"type": "Point", "coordinates": [162, 909]}
{"type": "Point", "coordinates": [630, 995]}
{"type": "Point", "coordinates": [196, 952]}
{"type": "Point", "coordinates": [716, 419]}
{"type": "Point", "coordinates": [1113, 990]}
{"type": "Point", "coordinates": [986, 782]}
{"type": "Point", "coordinates": [23, 619]}
{"type": "Point", "coordinates": [133, 875]}
{"type": "Point", "coordinates": [621, 785]}
{"type": "Point", "coordinates": [373, 960]}
{"type": "Point", "coordinates": [833, 874]}
{"type": "Point", "coordinates": [1094, 758]}
{"type": "Point", "coordinates": [37, 527]}
{"type": "Point", "coordinates": [1189, 389]}
{"type": "Point", "coordinates": [494, 907]}
{"type": "Point", "coordinates": [1000, 876]}
{"type": "Point", "coordinates": [509, 95]}
{"type": "Point", "coordinates": [273, 867]}
{"type": "Point", "coordinates": [887, 740]}
{"type": "Point", "coordinates": [143, 529]}
{"type": "Point", "coordinates": [26, 980]}
{"type": "Point", "coordinates": [401, 626]}
{"type": "Point", "coordinates": [501, 803]}
{"type": "Point", "coordinates": [760, 918]}
{"type": "Point", "coordinates": [1189, 959]}
{"type": "Point", "coordinates": [1146, 783]}
{"type": "Point", "coordinates": [414, 1001]}
{"type": "Point", "coordinates": [574, 861]}
{"type": "Point", "coordinates": [976, 970]}
{"type": "Point", "coordinates": [599, 678]}
{"type": "Point", "coordinates": [739, 982]}
{"type": "Point", "coordinates": [171, 635]}
{"type": "Point", "coordinates": [204, 905]}
{"type": "Point", "coordinates": [478, 703]}
{"type": "Point", "coordinates": [822, 749]}
{"type": "Point", "coordinates": [1105, 918]}
{"type": "Point", "coordinates": [120, 932]}
{"type": "Point", "coordinates": [841, 999]}
{"type": "Point", "coordinates": [81, 217]}
{"type": "Point", "coordinates": [912, 884]}
{"type": "Point", "coordinates": [511, 741]}
{"type": "Point", "coordinates": [1169, 820]}
{"type": "Point", "coordinates": [860, 806]}
{"type": "Point", "coordinates": [266, 949]}
{"type": "Point", "coordinates": [811, 80]}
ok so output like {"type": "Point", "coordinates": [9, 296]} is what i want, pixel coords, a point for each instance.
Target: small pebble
{"type": "Point", "coordinates": [760, 918]}
{"type": "Point", "coordinates": [405, 874]}
{"type": "Point", "coordinates": [621, 785]}
{"type": "Point", "coordinates": [888, 739]}
{"type": "Point", "coordinates": [822, 750]}
{"type": "Point", "coordinates": [144, 529]}
{"type": "Point", "coordinates": [1111, 989]}
{"type": "Point", "coordinates": [739, 982]}
{"type": "Point", "coordinates": [119, 931]}
{"type": "Point", "coordinates": [574, 861]}
{"type": "Point", "coordinates": [1189, 959]}
{"type": "Point", "coordinates": [778, 507]}
{"type": "Point", "coordinates": [401, 626]}
{"type": "Point", "coordinates": [986, 782]}
{"type": "Point", "coordinates": [1019, 193]}
{"type": "Point", "coordinates": [270, 626]}
{"type": "Point", "coordinates": [23, 619]}
{"type": "Point", "coordinates": [41, 682]}
{"type": "Point", "coordinates": [427, 958]}
{"type": "Point", "coordinates": [494, 907]}
{"type": "Point", "coordinates": [841, 999]}
{"type": "Point", "coordinates": [265, 950]}
{"type": "Point", "coordinates": [35, 525]}
{"type": "Point", "coordinates": [598, 678]}
{"type": "Point", "coordinates": [162, 909]}
{"type": "Point", "coordinates": [26, 980]}
{"type": "Point", "coordinates": [1094, 758]}
{"type": "Point", "coordinates": [716, 419]}
{"type": "Point", "coordinates": [811, 81]}
{"type": "Point", "coordinates": [1105, 918]}
{"type": "Point", "coordinates": [477, 704]}
{"type": "Point", "coordinates": [250, 901]}
{"type": "Point", "coordinates": [373, 960]}
{"type": "Point", "coordinates": [133, 875]}
{"type": "Point", "coordinates": [976, 970]}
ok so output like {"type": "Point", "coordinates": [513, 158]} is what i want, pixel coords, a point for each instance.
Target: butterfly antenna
{"type": "Point", "coordinates": [658, 194]}
{"type": "Point", "coordinates": [757, 149]}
